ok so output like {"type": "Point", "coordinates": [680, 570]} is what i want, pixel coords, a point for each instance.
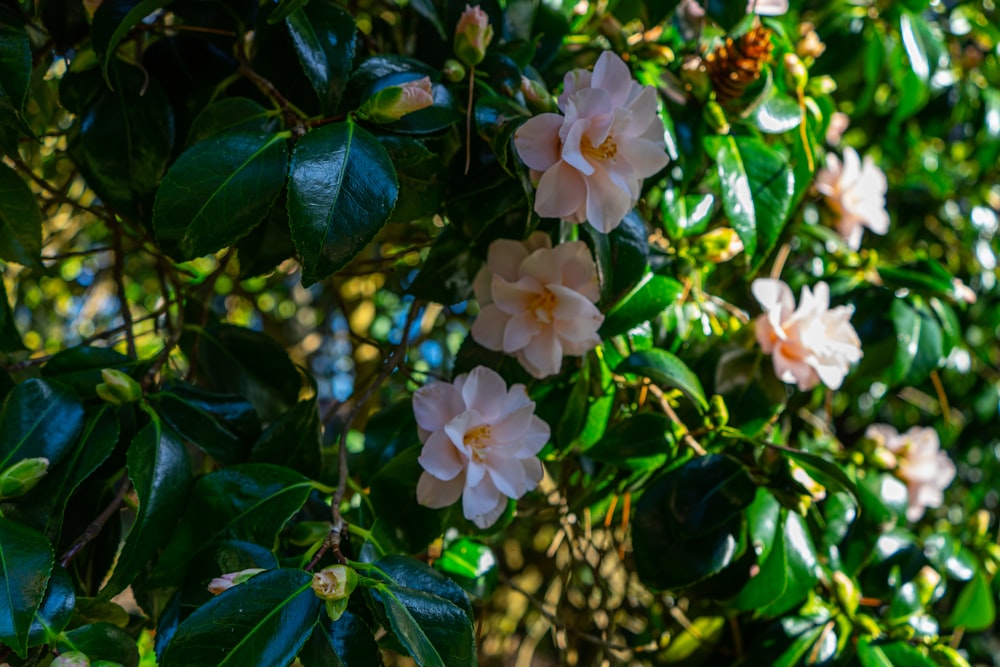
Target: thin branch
{"type": "Point", "coordinates": [687, 438]}
{"type": "Point", "coordinates": [119, 276]}
{"type": "Point", "coordinates": [94, 529]}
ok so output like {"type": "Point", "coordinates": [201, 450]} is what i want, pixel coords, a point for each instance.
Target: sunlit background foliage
{"type": "Point", "coordinates": [669, 439]}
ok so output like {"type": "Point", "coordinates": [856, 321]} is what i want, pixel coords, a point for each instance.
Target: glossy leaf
{"type": "Point", "coordinates": [250, 502]}
{"type": "Point", "coordinates": [56, 610]}
{"type": "Point", "coordinates": [20, 223]}
{"type": "Point", "coordinates": [737, 195]}
{"type": "Point", "coordinates": [112, 22]}
{"type": "Point", "coordinates": [497, 118]}
{"type": "Point", "coordinates": [472, 565]}
{"type": "Point", "coordinates": [160, 471]}
{"type": "Point", "coordinates": [800, 556]}
{"type": "Point", "coordinates": [323, 35]}
{"type": "Point", "coordinates": [621, 257]}
{"type": "Point", "coordinates": [10, 339]}
{"type": "Point", "coordinates": [26, 561]}
{"type": "Point", "coordinates": [38, 419]}
{"type": "Point", "coordinates": [975, 608]}
{"type": "Point", "coordinates": [102, 641]}
{"type": "Point", "coordinates": [341, 190]}
{"type": "Point", "coordinates": [293, 440]}
{"type": "Point", "coordinates": [649, 298]}
{"type": "Point", "coordinates": [639, 442]}
{"type": "Point", "coordinates": [259, 623]}
{"type": "Point", "coordinates": [218, 191]}
{"type": "Point", "coordinates": [422, 177]}
{"type": "Point", "coordinates": [80, 367]}
{"type": "Point", "coordinates": [434, 631]}
{"type": "Point", "coordinates": [250, 364]}
{"type": "Point", "coordinates": [394, 495]}
{"type": "Point", "coordinates": [664, 368]}
{"type": "Point", "coordinates": [45, 505]}
{"type": "Point", "coordinates": [229, 114]}
{"type": "Point", "coordinates": [346, 642]}
{"type": "Point", "coordinates": [193, 423]}
{"type": "Point", "coordinates": [413, 574]}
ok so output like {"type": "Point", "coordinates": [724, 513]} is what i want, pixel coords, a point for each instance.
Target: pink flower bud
{"type": "Point", "coordinates": [472, 35]}
{"type": "Point", "coordinates": [230, 579]}
{"type": "Point", "coordinates": [392, 103]}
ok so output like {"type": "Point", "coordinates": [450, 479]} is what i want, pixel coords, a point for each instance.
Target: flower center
{"type": "Point", "coordinates": [477, 439]}
{"type": "Point", "coordinates": [543, 307]}
{"type": "Point", "coordinates": [608, 149]}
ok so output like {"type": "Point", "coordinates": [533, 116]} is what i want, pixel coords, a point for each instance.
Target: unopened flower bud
{"type": "Point", "coordinates": [981, 522]}
{"type": "Point", "coordinates": [308, 533]}
{"type": "Point", "coordinates": [927, 581]}
{"type": "Point", "coordinates": [796, 74]}
{"type": "Point", "coordinates": [718, 412]}
{"type": "Point", "coordinates": [454, 71]}
{"type": "Point", "coordinates": [393, 102]}
{"type": "Point", "coordinates": [22, 477]}
{"type": "Point", "coordinates": [71, 659]}
{"type": "Point", "coordinates": [868, 625]}
{"type": "Point", "coordinates": [118, 388]}
{"type": "Point", "coordinates": [846, 592]}
{"type": "Point", "coordinates": [963, 291]}
{"type": "Point", "coordinates": [335, 582]}
{"type": "Point", "coordinates": [536, 96]}
{"type": "Point", "coordinates": [884, 459]}
{"type": "Point", "coordinates": [473, 34]}
{"type": "Point", "coordinates": [715, 116]}
{"type": "Point", "coordinates": [719, 245]}
{"type": "Point", "coordinates": [230, 579]}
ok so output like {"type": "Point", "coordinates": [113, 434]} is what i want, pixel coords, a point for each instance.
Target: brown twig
{"type": "Point", "coordinates": [119, 276]}
{"type": "Point", "coordinates": [669, 411]}
{"type": "Point", "coordinates": [94, 529]}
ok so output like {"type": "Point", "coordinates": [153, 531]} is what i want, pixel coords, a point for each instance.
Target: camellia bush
{"type": "Point", "coordinates": [534, 332]}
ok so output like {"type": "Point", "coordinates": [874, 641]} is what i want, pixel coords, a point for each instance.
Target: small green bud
{"type": "Point", "coordinates": [718, 411]}
{"type": "Point", "coordinates": [454, 71]}
{"type": "Point", "coordinates": [118, 388]}
{"type": "Point", "coordinates": [867, 625]}
{"type": "Point", "coordinates": [884, 459]}
{"type": "Point", "coordinates": [981, 523]}
{"type": "Point", "coordinates": [847, 593]}
{"type": "Point", "coordinates": [537, 96]}
{"type": "Point", "coordinates": [22, 477]}
{"type": "Point", "coordinates": [308, 533]}
{"type": "Point", "coordinates": [71, 659]}
{"type": "Point", "coordinates": [927, 581]}
{"type": "Point", "coordinates": [719, 245]}
{"type": "Point", "coordinates": [335, 582]}
{"type": "Point", "coordinates": [715, 116]}
{"type": "Point", "coordinates": [473, 35]}
{"type": "Point", "coordinates": [796, 74]}
{"type": "Point", "coordinates": [393, 102]}
{"type": "Point", "coordinates": [946, 655]}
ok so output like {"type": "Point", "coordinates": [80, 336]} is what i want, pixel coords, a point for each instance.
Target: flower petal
{"type": "Point", "coordinates": [488, 329]}
{"type": "Point", "coordinates": [504, 257]}
{"type": "Point", "coordinates": [613, 75]}
{"type": "Point", "coordinates": [434, 493]}
{"type": "Point", "coordinates": [537, 141]}
{"type": "Point", "coordinates": [512, 427]}
{"type": "Point", "coordinates": [561, 192]}
{"type": "Point", "coordinates": [571, 305]}
{"type": "Point", "coordinates": [514, 298]}
{"type": "Point", "coordinates": [572, 148]}
{"type": "Point", "coordinates": [483, 503]}
{"type": "Point", "coordinates": [519, 331]}
{"type": "Point", "coordinates": [607, 202]}
{"type": "Point", "coordinates": [544, 353]}
{"type": "Point", "coordinates": [484, 392]}
{"type": "Point", "coordinates": [645, 157]}
{"type": "Point", "coordinates": [440, 457]}
{"type": "Point", "coordinates": [436, 404]}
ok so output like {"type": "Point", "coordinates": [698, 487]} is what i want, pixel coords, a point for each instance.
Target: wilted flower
{"type": "Point", "coordinates": [335, 582]}
{"type": "Point", "coordinates": [393, 102]}
{"type": "Point", "coordinates": [538, 302]}
{"type": "Point", "coordinates": [473, 34]}
{"type": "Point", "coordinates": [855, 190]}
{"type": "Point", "coordinates": [71, 659]}
{"type": "Point", "coordinates": [590, 162]}
{"type": "Point", "coordinates": [481, 442]}
{"type": "Point", "coordinates": [926, 470]}
{"type": "Point", "coordinates": [809, 344]}
{"type": "Point", "coordinates": [767, 7]}
{"type": "Point", "coordinates": [230, 579]}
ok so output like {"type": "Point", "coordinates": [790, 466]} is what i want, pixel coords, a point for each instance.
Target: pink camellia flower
{"type": "Point", "coordinates": [767, 7]}
{"type": "Point", "coordinates": [590, 161]}
{"type": "Point", "coordinates": [393, 102]}
{"type": "Point", "coordinates": [473, 33]}
{"type": "Point", "coordinates": [809, 344]}
{"type": "Point", "coordinates": [926, 470]}
{"type": "Point", "coordinates": [481, 442]}
{"type": "Point", "coordinates": [855, 190]}
{"type": "Point", "coordinates": [538, 302]}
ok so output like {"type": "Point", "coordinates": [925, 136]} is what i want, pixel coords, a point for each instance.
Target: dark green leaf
{"type": "Point", "coordinates": [124, 139]}
{"type": "Point", "coordinates": [323, 35]}
{"type": "Point", "coordinates": [649, 298]}
{"type": "Point", "coordinates": [394, 498]}
{"type": "Point", "coordinates": [901, 653]}
{"type": "Point", "coordinates": [160, 471]}
{"type": "Point", "coordinates": [56, 610]}
{"type": "Point", "coordinates": [497, 118]}
{"type": "Point", "coordinates": [418, 576]}
{"type": "Point", "coordinates": [434, 631]}
{"type": "Point", "coordinates": [15, 60]}
{"type": "Point", "coordinates": [870, 654]}
{"type": "Point", "coordinates": [218, 191]}
{"type": "Point", "coordinates": [687, 215]}
{"type": "Point", "coordinates": [43, 507]}
{"type": "Point", "coordinates": [293, 440]}
{"type": "Point", "coordinates": [778, 114]}
{"type": "Point", "coordinates": [231, 113]}
{"type": "Point", "coordinates": [269, 244]}
{"type": "Point", "coordinates": [800, 556]}
{"type": "Point", "coordinates": [665, 369]}
{"type": "Point", "coordinates": [427, 9]}
{"type": "Point", "coordinates": [447, 274]}
{"type": "Point", "coordinates": [80, 367]}
{"type": "Point", "coordinates": [947, 553]}
{"type": "Point", "coordinates": [284, 8]}
{"type": "Point", "coordinates": [10, 339]}
{"type": "Point", "coordinates": [975, 609]}
{"type": "Point", "coordinates": [346, 642]}
{"type": "Point", "coordinates": [922, 47]}
{"type": "Point", "coordinates": [772, 186]}
{"type": "Point", "coordinates": [251, 364]}
{"type": "Point", "coordinates": [112, 21]}
{"type": "Point", "coordinates": [260, 623]}
{"type": "Point", "coordinates": [102, 641]}
{"type": "Point", "coordinates": [38, 419]}
{"type": "Point", "coordinates": [250, 502]}
{"type": "Point", "coordinates": [768, 584]}
{"type": "Point", "coordinates": [621, 257]}
{"type": "Point", "coordinates": [737, 197]}
{"type": "Point", "coordinates": [26, 561]}
{"type": "Point", "coordinates": [20, 221]}
{"type": "Point", "coordinates": [670, 563]}
{"type": "Point", "coordinates": [341, 190]}
{"type": "Point", "coordinates": [201, 423]}
{"type": "Point", "coordinates": [827, 472]}
{"type": "Point", "coordinates": [422, 176]}
{"type": "Point", "coordinates": [639, 442]}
